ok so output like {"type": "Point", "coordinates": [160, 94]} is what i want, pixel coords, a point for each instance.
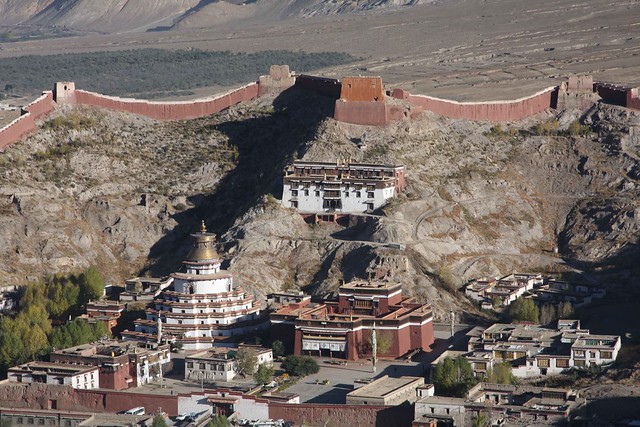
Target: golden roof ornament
{"type": "Point", "coordinates": [203, 227]}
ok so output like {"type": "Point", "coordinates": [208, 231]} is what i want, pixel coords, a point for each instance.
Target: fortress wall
{"type": "Point", "coordinates": [181, 110]}
{"type": "Point", "coordinates": [612, 94]}
{"type": "Point", "coordinates": [495, 111]}
{"type": "Point", "coordinates": [26, 122]}
{"type": "Point", "coordinates": [361, 112]}
{"type": "Point", "coordinates": [320, 85]}
{"type": "Point", "coordinates": [633, 100]}
{"type": "Point", "coordinates": [366, 89]}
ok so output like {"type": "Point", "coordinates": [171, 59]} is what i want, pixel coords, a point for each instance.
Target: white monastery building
{"type": "Point", "coordinates": [341, 187]}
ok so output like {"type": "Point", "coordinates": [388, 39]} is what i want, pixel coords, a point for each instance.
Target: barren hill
{"type": "Point", "coordinates": [96, 187]}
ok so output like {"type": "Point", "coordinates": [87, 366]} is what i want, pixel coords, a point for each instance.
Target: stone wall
{"type": "Point", "coordinates": [612, 94]}
{"type": "Point", "coordinates": [180, 110]}
{"type": "Point", "coordinates": [362, 89]}
{"type": "Point", "coordinates": [343, 415]}
{"type": "Point", "coordinates": [27, 121]}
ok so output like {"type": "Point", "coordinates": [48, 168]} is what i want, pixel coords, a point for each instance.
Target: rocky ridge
{"type": "Point", "coordinates": [481, 200]}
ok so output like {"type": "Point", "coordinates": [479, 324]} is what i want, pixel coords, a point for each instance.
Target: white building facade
{"type": "Point", "coordinates": [316, 187]}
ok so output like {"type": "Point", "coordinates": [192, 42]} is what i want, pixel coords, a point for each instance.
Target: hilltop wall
{"type": "Point", "coordinates": [27, 121]}
{"type": "Point", "coordinates": [320, 85]}
{"type": "Point", "coordinates": [180, 110]}
{"type": "Point", "coordinates": [343, 415]}
{"type": "Point", "coordinates": [494, 111]}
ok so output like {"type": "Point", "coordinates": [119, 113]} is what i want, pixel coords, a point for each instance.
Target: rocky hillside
{"type": "Point", "coordinates": [113, 16]}
{"type": "Point", "coordinates": [122, 192]}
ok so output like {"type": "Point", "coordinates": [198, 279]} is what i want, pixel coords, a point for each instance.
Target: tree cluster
{"type": "Point", "coordinates": [502, 373]}
{"type": "Point", "coordinates": [300, 366]}
{"type": "Point", "coordinates": [29, 333]}
{"type": "Point", "coordinates": [453, 377]}
{"type": "Point", "coordinates": [523, 310]}
{"type": "Point", "coordinates": [152, 72]}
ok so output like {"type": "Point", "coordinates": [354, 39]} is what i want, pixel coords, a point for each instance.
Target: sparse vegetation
{"type": "Point", "coordinates": [136, 72]}
{"type": "Point", "coordinates": [300, 366]}
{"type": "Point", "coordinates": [453, 377]}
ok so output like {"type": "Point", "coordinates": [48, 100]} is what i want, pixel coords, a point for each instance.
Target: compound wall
{"type": "Point", "coordinates": [633, 100]}
{"type": "Point", "coordinates": [612, 94]}
{"type": "Point", "coordinates": [494, 111]}
{"type": "Point", "coordinates": [343, 415]}
{"type": "Point", "coordinates": [26, 122]}
{"type": "Point", "coordinates": [183, 110]}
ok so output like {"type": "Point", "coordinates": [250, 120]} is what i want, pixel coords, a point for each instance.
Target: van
{"type": "Point", "coordinates": [135, 411]}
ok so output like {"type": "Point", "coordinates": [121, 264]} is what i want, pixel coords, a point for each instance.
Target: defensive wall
{"type": "Point", "coordinates": [359, 100]}
{"type": "Point", "coordinates": [27, 121]}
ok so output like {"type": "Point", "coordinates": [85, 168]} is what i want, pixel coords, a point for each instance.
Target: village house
{"type": "Point", "coordinates": [535, 350]}
{"type": "Point", "coordinates": [219, 363]}
{"type": "Point", "coordinates": [144, 289]}
{"type": "Point", "coordinates": [76, 376]}
{"type": "Point", "coordinates": [340, 187]}
{"type": "Point", "coordinates": [343, 327]}
{"type": "Point", "coordinates": [107, 312]}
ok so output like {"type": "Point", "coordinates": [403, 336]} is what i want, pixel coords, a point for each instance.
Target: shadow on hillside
{"type": "Point", "coordinates": [266, 145]}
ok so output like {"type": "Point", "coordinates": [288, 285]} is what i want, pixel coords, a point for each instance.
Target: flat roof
{"type": "Point", "coordinates": [385, 386]}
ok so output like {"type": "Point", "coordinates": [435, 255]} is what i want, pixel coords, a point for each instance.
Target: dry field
{"type": "Point", "coordinates": [460, 49]}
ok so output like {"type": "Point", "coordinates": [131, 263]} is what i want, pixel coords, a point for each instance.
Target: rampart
{"type": "Point", "coordinates": [343, 415]}
{"type": "Point", "coordinates": [320, 85]}
{"type": "Point", "coordinates": [182, 110]}
{"type": "Point", "coordinates": [494, 111]}
{"type": "Point", "coordinates": [27, 121]}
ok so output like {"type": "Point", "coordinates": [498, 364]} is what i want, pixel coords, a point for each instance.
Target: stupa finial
{"type": "Point", "coordinates": [203, 228]}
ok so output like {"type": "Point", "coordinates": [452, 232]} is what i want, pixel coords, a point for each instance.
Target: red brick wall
{"type": "Point", "coordinates": [495, 111]}
{"type": "Point", "coordinates": [343, 415]}
{"type": "Point", "coordinates": [169, 110]}
{"type": "Point", "coordinates": [365, 89]}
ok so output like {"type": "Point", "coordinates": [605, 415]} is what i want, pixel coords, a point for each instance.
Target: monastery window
{"type": "Point", "coordinates": [579, 353]}
{"type": "Point", "coordinates": [306, 192]}
{"type": "Point", "coordinates": [593, 354]}
{"type": "Point", "coordinates": [294, 192]}
{"type": "Point", "coordinates": [606, 355]}
{"type": "Point", "coordinates": [543, 363]}
{"type": "Point", "coordinates": [579, 363]}
{"type": "Point", "coordinates": [202, 322]}
{"type": "Point", "coordinates": [182, 311]}
{"type": "Point", "coordinates": [201, 365]}
{"type": "Point", "coordinates": [358, 194]}
{"type": "Point", "coordinates": [371, 187]}
{"type": "Point", "coordinates": [317, 194]}
{"type": "Point", "coordinates": [30, 421]}
{"type": "Point", "coordinates": [179, 322]}
{"type": "Point", "coordinates": [370, 206]}
{"type": "Point", "coordinates": [562, 363]}
{"type": "Point", "coordinates": [201, 311]}
{"type": "Point", "coordinates": [370, 194]}
{"type": "Point", "coordinates": [294, 204]}
{"type": "Point", "coordinates": [346, 194]}
{"type": "Point", "coordinates": [189, 364]}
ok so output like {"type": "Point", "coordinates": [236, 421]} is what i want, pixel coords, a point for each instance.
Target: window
{"type": "Point", "coordinates": [317, 194]}
{"type": "Point", "coordinates": [592, 354]}
{"type": "Point", "coordinates": [306, 192]}
{"type": "Point", "coordinates": [579, 363]}
{"type": "Point", "coordinates": [578, 353]}
{"type": "Point", "coordinates": [370, 194]}
{"type": "Point", "coordinates": [201, 365]}
{"type": "Point", "coordinates": [543, 363]}
{"type": "Point", "coordinates": [189, 364]}
{"type": "Point", "coordinates": [294, 193]}
{"type": "Point", "coordinates": [294, 204]}
{"type": "Point", "coordinates": [346, 194]}
{"type": "Point", "coordinates": [358, 194]}
{"type": "Point", "coordinates": [562, 363]}
{"type": "Point", "coordinates": [606, 355]}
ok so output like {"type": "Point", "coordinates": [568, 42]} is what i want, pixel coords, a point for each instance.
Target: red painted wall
{"type": "Point", "coordinates": [361, 113]}
{"type": "Point", "coordinates": [169, 110]}
{"type": "Point", "coordinates": [633, 100]}
{"type": "Point", "coordinates": [343, 415]}
{"type": "Point", "coordinates": [26, 122]}
{"type": "Point", "coordinates": [495, 111]}
{"type": "Point", "coordinates": [365, 89]}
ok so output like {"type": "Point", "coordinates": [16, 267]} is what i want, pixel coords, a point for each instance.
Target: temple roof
{"type": "Point", "coordinates": [203, 246]}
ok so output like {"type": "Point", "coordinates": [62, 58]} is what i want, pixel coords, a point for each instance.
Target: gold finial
{"type": "Point", "coordinates": [203, 228]}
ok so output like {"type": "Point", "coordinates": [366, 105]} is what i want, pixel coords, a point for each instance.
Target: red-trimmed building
{"type": "Point", "coordinates": [107, 312]}
{"type": "Point", "coordinates": [343, 328]}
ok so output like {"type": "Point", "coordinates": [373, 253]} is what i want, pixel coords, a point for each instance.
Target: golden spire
{"type": "Point", "coordinates": [203, 228]}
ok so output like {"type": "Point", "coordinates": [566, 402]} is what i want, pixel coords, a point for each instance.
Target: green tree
{"type": "Point", "coordinates": [159, 421]}
{"type": "Point", "coordinates": [384, 341]}
{"type": "Point", "coordinates": [482, 420]}
{"type": "Point", "coordinates": [502, 373]}
{"type": "Point", "coordinates": [77, 332]}
{"type": "Point", "coordinates": [246, 361]}
{"type": "Point", "coordinates": [91, 285]}
{"type": "Point", "coordinates": [220, 421]}
{"type": "Point", "coordinates": [496, 302]}
{"type": "Point", "coordinates": [548, 314]}
{"type": "Point", "coordinates": [263, 374]}
{"type": "Point", "coordinates": [565, 310]}
{"type": "Point", "coordinates": [523, 309]}
{"type": "Point", "coordinates": [300, 366]}
{"type": "Point", "coordinates": [278, 348]}
{"type": "Point", "coordinates": [453, 377]}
